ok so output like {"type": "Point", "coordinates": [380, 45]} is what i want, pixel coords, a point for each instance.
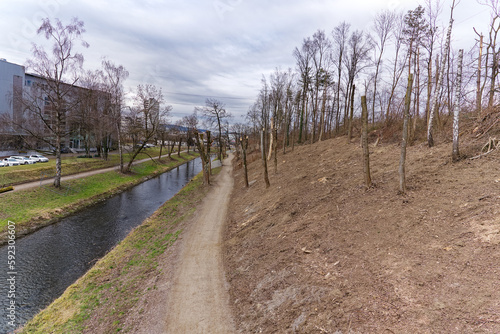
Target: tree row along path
{"type": "Point", "coordinates": [198, 301]}
{"type": "Point", "coordinates": [48, 181]}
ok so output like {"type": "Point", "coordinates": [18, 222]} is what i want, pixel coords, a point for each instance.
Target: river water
{"type": "Point", "coordinates": [52, 258]}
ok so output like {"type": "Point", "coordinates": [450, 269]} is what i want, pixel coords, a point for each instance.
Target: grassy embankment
{"type": "Point", "coordinates": [70, 165]}
{"type": "Point", "coordinates": [41, 206]}
{"type": "Point", "coordinates": [101, 299]}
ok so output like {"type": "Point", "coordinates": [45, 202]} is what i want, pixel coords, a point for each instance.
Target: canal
{"type": "Point", "coordinates": [52, 258]}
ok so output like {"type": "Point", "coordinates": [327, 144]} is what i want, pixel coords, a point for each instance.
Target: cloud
{"type": "Point", "coordinates": [197, 49]}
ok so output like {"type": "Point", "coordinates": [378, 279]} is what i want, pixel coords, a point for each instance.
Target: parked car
{"type": "Point", "coordinates": [2, 164]}
{"type": "Point", "coordinates": [23, 160]}
{"type": "Point", "coordinates": [11, 162]}
{"type": "Point", "coordinates": [38, 158]}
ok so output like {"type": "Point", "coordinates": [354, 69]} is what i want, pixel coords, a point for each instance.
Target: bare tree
{"type": "Point", "coordinates": [87, 115]}
{"type": "Point", "coordinates": [204, 154]}
{"type": "Point", "coordinates": [113, 77]}
{"type": "Point", "coordinates": [215, 113]}
{"type": "Point", "coordinates": [414, 31]}
{"type": "Point", "coordinates": [191, 123]}
{"type": "Point", "coordinates": [398, 65]}
{"type": "Point", "coordinates": [340, 37]}
{"type": "Point", "coordinates": [264, 105]}
{"type": "Point", "coordinates": [492, 50]}
{"type": "Point", "coordinates": [149, 112]}
{"type": "Point", "coordinates": [50, 102]}
{"type": "Point", "coordinates": [321, 60]}
{"type": "Point", "coordinates": [383, 25]}
{"type": "Point", "coordinates": [433, 9]}
{"type": "Point", "coordinates": [359, 46]}
{"type": "Point", "coordinates": [95, 121]}
{"type": "Point", "coordinates": [303, 57]}
{"type": "Point", "coordinates": [444, 58]}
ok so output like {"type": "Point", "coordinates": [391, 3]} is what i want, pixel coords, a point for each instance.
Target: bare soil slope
{"type": "Point", "coordinates": [317, 253]}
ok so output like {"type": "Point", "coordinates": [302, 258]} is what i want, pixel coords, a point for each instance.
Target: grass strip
{"type": "Point", "coordinates": [101, 300]}
{"type": "Point", "coordinates": [70, 165]}
{"type": "Point", "coordinates": [38, 207]}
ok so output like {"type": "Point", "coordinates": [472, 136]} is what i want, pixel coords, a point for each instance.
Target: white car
{"type": "Point", "coordinates": [38, 158]}
{"type": "Point", "coordinates": [23, 160]}
{"type": "Point", "coordinates": [11, 162]}
{"type": "Point", "coordinates": [3, 164]}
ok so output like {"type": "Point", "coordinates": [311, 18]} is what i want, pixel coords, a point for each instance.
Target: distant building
{"type": "Point", "coordinates": [12, 81]}
{"type": "Point", "coordinates": [152, 113]}
{"type": "Point", "coordinates": [16, 84]}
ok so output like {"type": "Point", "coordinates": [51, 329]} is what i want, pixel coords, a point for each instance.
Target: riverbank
{"type": "Point", "coordinates": [120, 286]}
{"type": "Point", "coordinates": [35, 208]}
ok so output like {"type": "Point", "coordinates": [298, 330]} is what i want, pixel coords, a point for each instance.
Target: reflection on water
{"type": "Point", "coordinates": [51, 259]}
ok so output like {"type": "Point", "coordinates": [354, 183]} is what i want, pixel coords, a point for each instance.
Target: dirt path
{"type": "Point", "coordinates": [198, 301]}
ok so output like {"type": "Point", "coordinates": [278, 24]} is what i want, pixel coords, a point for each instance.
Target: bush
{"type": "Point", "coordinates": [84, 156]}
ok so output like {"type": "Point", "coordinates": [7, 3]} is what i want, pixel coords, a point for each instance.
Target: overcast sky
{"type": "Point", "coordinates": [195, 49]}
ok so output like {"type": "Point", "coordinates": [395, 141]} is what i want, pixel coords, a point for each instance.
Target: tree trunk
{"type": "Point", "coordinates": [429, 90]}
{"type": "Point", "coordinates": [201, 149]}
{"type": "Point", "coordinates": [456, 110]}
{"type": "Point", "coordinates": [285, 133]}
{"type": "Point", "coordinates": [179, 147]}
{"type": "Point", "coordinates": [478, 82]}
{"type": "Point", "coordinates": [171, 149]}
{"type": "Point", "coordinates": [351, 115]}
{"type": "Point", "coordinates": [220, 140]}
{"type": "Point", "coordinates": [402, 161]}
{"type": "Point", "coordinates": [57, 179]}
{"type": "Point", "coordinates": [322, 119]}
{"type": "Point", "coordinates": [161, 149]}
{"type": "Point", "coordinates": [120, 148]}
{"type": "Point", "coordinates": [209, 160]}
{"type": "Point", "coordinates": [494, 72]}
{"type": "Point", "coordinates": [271, 140]}
{"type": "Point", "coordinates": [264, 160]}
{"type": "Point", "coordinates": [301, 124]}
{"type": "Point", "coordinates": [275, 135]}
{"type": "Point", "coordinates": [244, 146]}
{"type": "Point", "coordinates": [364, 142]}
{"type": "Point", "coordinates": [416, 114]}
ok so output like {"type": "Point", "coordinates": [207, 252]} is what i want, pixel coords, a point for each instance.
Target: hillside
{"type": "Point", "coordinates": [317, 253]}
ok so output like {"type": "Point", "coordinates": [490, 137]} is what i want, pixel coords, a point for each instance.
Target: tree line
{"type": "Point", "coordinates": [334, 71]}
